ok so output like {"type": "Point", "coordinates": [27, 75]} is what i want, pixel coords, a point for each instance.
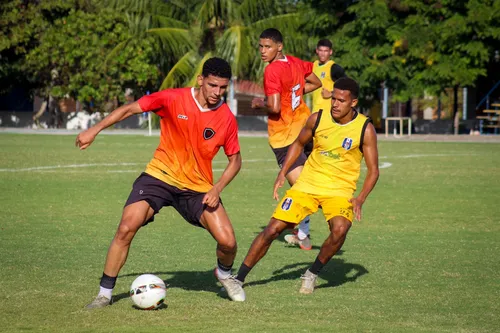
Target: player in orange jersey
{"type": "Point", "coordinates": [195, 124]}
{"type": "Point", "coordinates": [286, 80]}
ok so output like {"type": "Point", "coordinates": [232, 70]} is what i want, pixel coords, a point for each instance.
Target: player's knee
{"type": "Point", "coordinates": [127, 229]}
{"type": "Point", "coordinates": [271, 233]}
{"type": "Point", "coordinates": [228, 245]}
{"type": "Point", "coordinates": [340, 228]}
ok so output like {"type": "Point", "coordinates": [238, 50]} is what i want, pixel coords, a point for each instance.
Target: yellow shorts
{"type": "Point", "coordinates": [296, 205]}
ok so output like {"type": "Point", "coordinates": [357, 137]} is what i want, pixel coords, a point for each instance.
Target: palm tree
{"type": "Point", "coordinates": [188, 32]}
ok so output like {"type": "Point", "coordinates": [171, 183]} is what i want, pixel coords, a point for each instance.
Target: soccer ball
{"type": "Point", "coordinates": [148, 292]}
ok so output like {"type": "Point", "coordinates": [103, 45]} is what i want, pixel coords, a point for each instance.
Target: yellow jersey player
{"type": "Point", "coordinates": [328, 72]}
{"type": "Point", "coordinates": [342, 137]}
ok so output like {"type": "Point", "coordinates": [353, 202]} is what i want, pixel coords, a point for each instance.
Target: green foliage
{"type": "Point", "coordinates": [225, 28]}
{"type": "Point", "coordinates": [71, 58]}
{"type": "Point", "coordinates": [21, 25]}
{"type": "Point", "coordinates": [414, 46]}
{"type": "Point", "coordinates": [418, 47]}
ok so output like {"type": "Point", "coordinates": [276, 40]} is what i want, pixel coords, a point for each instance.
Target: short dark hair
{"type": "Point", "coordinates": [346, 83]}
{"type": "Point", "coordinates": [272, 34]}
{"type": "Point", "coordinates": [336, 72]}
{"type": "Point", "coordinates": [325, 42]}
{"type": "Point", "coordinates": [216, 67]}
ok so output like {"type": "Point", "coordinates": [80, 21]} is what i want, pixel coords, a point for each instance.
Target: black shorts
{"type": "Point", "coordinates": [280, 154]}
{"type": "Point", "coordinates": [159, 194]}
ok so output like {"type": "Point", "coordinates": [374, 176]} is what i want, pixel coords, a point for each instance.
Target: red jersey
{"type": "Point", "coordinates": [190, 138]}
{"type": "Point", "coordinates": [287, 78]}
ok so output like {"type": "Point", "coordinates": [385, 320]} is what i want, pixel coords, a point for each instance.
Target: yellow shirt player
{"type": "Point", "coordinates": [327, 71]}
{"type": "Point", "coordinates": [342, 137]}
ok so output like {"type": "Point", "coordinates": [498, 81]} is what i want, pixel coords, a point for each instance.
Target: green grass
{"type": "Point", "coordinates": [423, 259]}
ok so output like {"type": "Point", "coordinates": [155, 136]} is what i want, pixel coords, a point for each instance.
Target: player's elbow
{"type": "Point", "coordinates": [131, 109]}
{"type": "Point", "coordinates": [273, 110]}
{"type": "Point", "coordinates": [235, 162]}
{"type": "Point", "coordinates": [374, 173]}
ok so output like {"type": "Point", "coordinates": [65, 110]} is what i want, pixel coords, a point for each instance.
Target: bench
{"type": "Point", "coordinates": [401, 119]}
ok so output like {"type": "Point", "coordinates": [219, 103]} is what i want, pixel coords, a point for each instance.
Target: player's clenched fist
{"type": "Point", "coordinates": [85, 138]}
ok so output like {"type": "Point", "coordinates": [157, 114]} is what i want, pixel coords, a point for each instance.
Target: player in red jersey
{"type": "Point", "coordinates": [195, 123]}
{"type": "Point", "coordinates": [286, 80]}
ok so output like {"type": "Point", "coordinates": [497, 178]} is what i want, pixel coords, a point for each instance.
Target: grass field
{"type": "Point", "coordinates": [425, 257]}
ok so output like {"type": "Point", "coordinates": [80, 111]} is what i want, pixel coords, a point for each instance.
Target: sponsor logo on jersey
{"type": "Point", "coordinates": [182, 116]}
{"type": "Point", "coordinates": [208, 133]}
{"type": "Point", "coordinates": [287, 203]}
{"type": "Point", "coordinates": [323, 75]}
{"type": "Point", "coordinates": [330, 155]}
{"type": "Point", "coordinates": [347, 143]}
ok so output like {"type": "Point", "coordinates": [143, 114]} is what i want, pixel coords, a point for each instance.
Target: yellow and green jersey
{"type": "Point", "coordinates": [334, 165]}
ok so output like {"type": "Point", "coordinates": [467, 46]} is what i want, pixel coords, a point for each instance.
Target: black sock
{"type": "Point", "coordinates": [108, 282]}
{"type": "Point", "coordinates": [243, 272]}
{"type": "Point", "coordinates": [223, 267]}
{"type": "Point", "coordinates": [316, 267]}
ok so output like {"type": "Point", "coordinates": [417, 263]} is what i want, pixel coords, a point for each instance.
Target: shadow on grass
{"type": "Point", "coordinates": [281, 238]}
{"type": "Point", "coordinates": [336, 273]}
{"type": "Point", "coordinates": [187, 280]}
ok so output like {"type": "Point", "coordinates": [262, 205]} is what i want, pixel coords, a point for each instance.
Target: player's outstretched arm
{"type": "Point", "coordinates": [312, 83]}
{"type": "Point", "coordinates": [294, 151]}
{"type": "Point", "coordinates": [85, 138]}
{"type": "Point", "coordinates": [232, 169]}
{"type": "Point", "coordinates": [370, 153]}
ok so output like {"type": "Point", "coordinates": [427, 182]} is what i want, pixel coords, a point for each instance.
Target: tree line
{"type": "Point", "coordinates": [93, 50]}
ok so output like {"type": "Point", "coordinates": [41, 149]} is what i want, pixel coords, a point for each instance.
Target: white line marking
{"type": "Point", "coordinates": [426, 155]}
{"type": "Point", "coordinates": [67, 166]}
{"type": "Point", "coordinates": [384, 165]}
{"type": "Point", "coordinates": [70, 166]}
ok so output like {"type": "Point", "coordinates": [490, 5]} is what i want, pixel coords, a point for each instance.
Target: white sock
{"type": "Point", "coordinates": [223, 274]}
{"type": "Point", "coordinates": [303, 228]}
{"type": "Point", "coordinates": [105, 292]}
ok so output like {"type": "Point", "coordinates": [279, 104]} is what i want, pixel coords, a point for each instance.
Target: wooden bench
{"type": "Point", "coordinates": [492, 111]}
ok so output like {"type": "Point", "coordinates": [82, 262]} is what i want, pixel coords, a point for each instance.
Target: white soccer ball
{"type": "Point", "coordinates": [148, 292]}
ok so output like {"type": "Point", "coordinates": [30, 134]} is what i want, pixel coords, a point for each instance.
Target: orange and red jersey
{"type": "Point", "coordinates": [287, 78]}
{"type": "Point", "coordinates": [190, 138]}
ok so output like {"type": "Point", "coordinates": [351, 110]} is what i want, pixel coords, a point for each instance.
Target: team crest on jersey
{"type": "Point", "coordinates": [347, 143]}
{"type": "Point", "coordinates": [287, 203]}
{"type": "Point", "coordinates": [208, 133]}
{"type": "Point", "coordinates": [323, 74]}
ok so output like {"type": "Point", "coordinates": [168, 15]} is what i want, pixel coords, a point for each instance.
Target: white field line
{"type": "Point", "coordinates": [49, 168]}
{"type": "Point", "coordinates": [426, 155]}
{"type": "Point", "coordinates": [55, 168]}
{"type": "Point", "coordinates": [87, 165]}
